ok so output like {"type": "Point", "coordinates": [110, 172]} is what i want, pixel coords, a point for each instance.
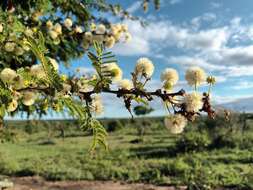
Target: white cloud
{"type": "Point", "coordinates": [243, 85]}
{"type": "Point", "coordinates": [214, 49]}
{"type": "Point", "coordinates": [206, 17]}
{"type": "Point", "coordinates": [242, 55]}
{"type": "Point", "coordinates": [212, 39]}
{"type": "Point", "coordinates": [215, 5]}
{"type": "Point", "coordinates": [165, 34]}
{"type": "Point", "coordinates": [193, 61]}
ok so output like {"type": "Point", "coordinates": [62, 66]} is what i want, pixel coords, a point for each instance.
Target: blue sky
{"type": "Point", "coordinates": [215, 35]}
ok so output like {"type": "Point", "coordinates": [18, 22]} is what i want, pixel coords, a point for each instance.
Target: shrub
{"type": "Point", "coordinates": [114, 125]}
{"type": "Point", "coordinates": [193, 141]}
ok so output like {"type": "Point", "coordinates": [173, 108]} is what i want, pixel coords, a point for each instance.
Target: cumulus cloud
{"type": "Point", "coordinates": [164, 33]}
{"type": "Point", "coordinates": [215, 5]}
{"type": "Point", "coordinates": [187, 61]}
{"type": "Point", "coordinates": [243, 85]}
{"type": "Point", "coordinates": [206, 17]}
{"type": "Point", "coordinates": [216, 49]}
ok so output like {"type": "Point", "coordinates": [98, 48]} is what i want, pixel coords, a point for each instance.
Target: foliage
{"type": "Point", "coordinates": [36, 35]}
{"type": "Point", "coordinates": [192, 141]}
{"type": "Point", "coordinates": [154, 161]}
{"type": "Point", "coordinates": [142, 110]}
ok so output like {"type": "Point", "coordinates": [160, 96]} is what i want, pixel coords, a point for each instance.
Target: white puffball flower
{"type": "Point", "coordinates": [1, 28]}
{"type": "Point", "coordinates": [38, 71]}
{"type": "Point", "coordinates": [144, 66]}
{"type": "Point", "coordinates": [54, 63]}
{"type": "Point", "coordinates": [57, 28]}
{"type": "Point", "coordinates": [78, 29]}
{"type": "Point", "coordinates": [88, 36]}
{"type": "Point", "coordinates": [100, 29]}
{"type": "Point", "coordinates": [97, 105]}
{"type": "Point", "coordinates": [49, 24]}
{"type": "Point", "coordinates": [193, 102]}
{"type": "Point", "coordinates": [195, 76]}
{"type": "Point", "coordinates": [66, 87]}
{"type": "Point", "coordinates": [98, 38]}
{"type": "Point", "coordinates": [19, 51]}
{"type": "Point", "coordinates": [12, 106]}
{"type": "Point", "coordinates": [28, 32]}
{"type": "Point", "coordinates": [9, 46]}
{"type": "Point", "coordinates": [28, 98]}
{"type": "Point", "coordinates": [125, 84]}
{"type": "Point", "coordinates": [7, 75]}
{"type": "Point", "coordinates": [175, 123]}
{"type": "Point", "coordinates": [170, 75]}
{"type": "Point", "coordinates": [113, 71]}
{"type": "Point", "coordinates": [124, 27]}
{"type": "Point", "coordinates": [53, 34]}
{"type": "Point", "coordinates": [109, 41]}
{"type": "Point", "coordinates": [68, 23]}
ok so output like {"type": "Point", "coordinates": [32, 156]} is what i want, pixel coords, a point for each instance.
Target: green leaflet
{"type": "Point", "coordinates": [87, 123]}
{"type": "Point", "coordinates": [98, 60]}
{"type": "Point", "coordinates": [39, 49]}
{"type": "Point", "coordinates": [75, 108]}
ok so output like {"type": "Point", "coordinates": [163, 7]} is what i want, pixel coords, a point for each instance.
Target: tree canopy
{"type": "Point", "coordinates": [36, 35]}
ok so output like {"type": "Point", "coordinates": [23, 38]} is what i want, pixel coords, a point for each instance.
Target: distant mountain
{"type": "Point", "coordinates": [243, 104]}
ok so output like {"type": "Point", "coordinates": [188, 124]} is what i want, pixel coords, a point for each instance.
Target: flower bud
{"type": "Point", "coordinates": [9, 46]}
{"type": "Point", "coordinates": [68, 23]}
{"type": "Point", "coordinates": [211, 80]}
{"type": "Point", "coordinates": [12, 106]}
{"type": "Point", "coordinates": [7, 75]}
{"type": "Point", "coordinates": [28, 98]}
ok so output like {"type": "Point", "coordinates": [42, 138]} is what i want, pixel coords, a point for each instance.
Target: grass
{"type": "Point", "coordinates": [154, 160]}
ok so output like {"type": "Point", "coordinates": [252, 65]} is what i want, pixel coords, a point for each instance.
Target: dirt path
{"type": "Point", "coordinates": [37, 183]}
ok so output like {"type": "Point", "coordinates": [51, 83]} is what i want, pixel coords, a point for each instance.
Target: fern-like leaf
{"type": "Point", "coordinates": [80, 112]}
{"type": "Point", "coordinates": [39, 50]}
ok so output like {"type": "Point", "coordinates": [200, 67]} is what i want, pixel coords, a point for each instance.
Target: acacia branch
{"type": "Point", "coordinates": [129, 95]}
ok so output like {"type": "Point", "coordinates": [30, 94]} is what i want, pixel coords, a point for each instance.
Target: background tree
{"type": "Point", "coordinates": [36, 35]}
{"type": "Point", "coordinates": [142, 110]}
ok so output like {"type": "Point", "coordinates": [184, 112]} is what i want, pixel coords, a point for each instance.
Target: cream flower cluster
{"type": "Point", "coordinates": [12, 106]}
{"type": "Point", "coordinates": [68, 23]}
{"type": "Point", "coordinates": [195, 76]}
{"type": "Point", "coordinates": [28, 98]}
{"type": "Point", "coordinates": [144, 67]}
{"type": "Point", "coordinates": [100, 33]}
{"type": "Point", "coordinates": [125, 84]}
{"type": "Point", "coordinates": [97, 105]}
{"type": "Point", "coordinates": [169, 77]}
{"type": "Point", "coordinates": [54, 30]}
{"type": "Point", "coordinates": [113, 71]}
{"type": "Point", "coordinates": [38, 71]}
{"type": "Point", "coordinates": [13, 40]}
{"type": "Point", "coordinates": [175, 123]}
{"type": "Point", "coordinates": [109, 36]}
{"type": "Point", "coordinates": [15, 82]}
{"type": "Point", "coordinates": [83, 84]}
{"type": "Point", "coordinates": [193, 102]}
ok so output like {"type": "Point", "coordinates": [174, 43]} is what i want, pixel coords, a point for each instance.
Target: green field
{"type": "Point", "coordinates": [209, 154]}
